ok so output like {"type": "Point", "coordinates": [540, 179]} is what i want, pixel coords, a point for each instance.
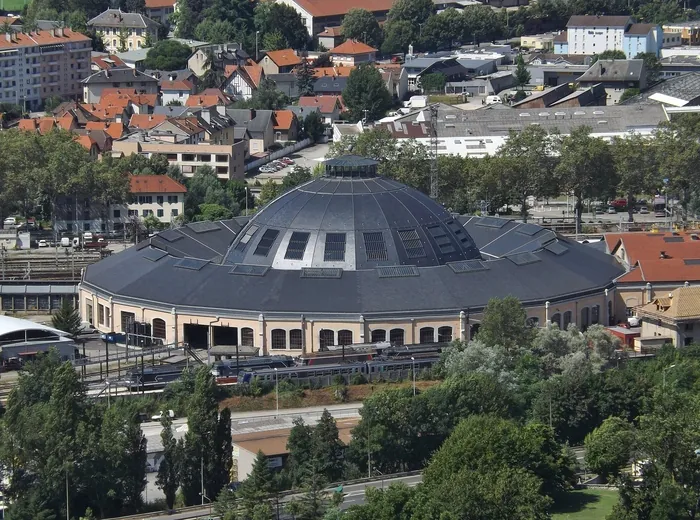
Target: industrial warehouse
{"type": "Point", "coordinates": [347, 258]}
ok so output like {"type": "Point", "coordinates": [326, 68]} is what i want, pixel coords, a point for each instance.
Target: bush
{"type": "Point", "coordinates": [340, 393]}
{"type": "Point", "coordinates": [358, 379]}
{"type": "Point", "coordinates": [339, 380]}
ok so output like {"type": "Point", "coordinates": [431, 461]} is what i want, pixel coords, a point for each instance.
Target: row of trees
{"type": "Point", "coordinates": [534, 163]}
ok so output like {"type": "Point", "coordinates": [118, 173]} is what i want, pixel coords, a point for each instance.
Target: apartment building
{"type": "Point", "coordinates": [41, 64]}
{"type": "Point", "coordinates": [227, 160]}
{"type": "Point", "coordinates": [156, 195]}
{"type": "Point", "coordinates": [114, 24]}
{"type": "Point", "coordinates": [117, 78]}
{"type": "Point", "coordinates": [588, 34]}
{"type": "Point", "coordinates": [160, 10]}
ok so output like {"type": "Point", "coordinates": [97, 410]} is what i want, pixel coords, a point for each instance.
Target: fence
{"type": "Point", "coordinates": [279, 153]}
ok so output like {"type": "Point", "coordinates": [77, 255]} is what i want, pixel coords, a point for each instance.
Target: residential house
{"type": "Point", "coordinates": [129, 99]}
{"type": "Point", "coordinates": [75, 109]}
{"type": "Point", "coordinates": [242, 80]}
{"type": "Point", "coordinates": [616, 76]}
{"type": "Point", "coordinates": [119, 78]}
{"type": "Point", "coordinates": [156, 195]}
{"type": "Point", "coordinates": [160, 10]}
{"type": "Point", "coordinates": [277, 62]}
{"type": "Point", "coordinates": [352, 52]}
{"type": "Point", "coordinates": [145, 121]}
{"type": "Point", "coordinates": [395, 78]}
{"type": "Point", "coordinates": [105, 61]}
{"type": "Point", "coordinates": [330, 37]}
{"type": "Point", "coordinates": [591, 34]}
{"type": "Point", "coordinates": [209, 97]}
{"type": "Point", "coordinates": [287, 83]}
{"type": "Point", "coordinates": [260, 125]}
{"type": "Point", "coordinates": [96, 141]}
{"type": "Point", "coordinates": [134, 59]}
{"type": "Point", "coordinates": [221, 55]}
{"type": "Point", "coordinates": [42, 64]}
{"type": "Point", "coordinates": [538, 42]}
{"type": "Point", "coordinates": [330, 85]}
{"type": "Point", "coordinates": [301, 112]}
{"type": "Point", "coordinates": [183, 130]}
{"type": "Point", "coordinates": [113, 130]}
{"type": "Point", "coordinates": [226, 160]}
{"type": "Point", "coordinates": [44, 125]}
{"type": "Point", "coordinates": [115, 113]}
{"type": "Point", "coordinates": [488, 85]}
{"type": "Point", "coordinates": [689, 32]}
{"type": "Point", "coordinates": [670, 319]}
{"type": "Point", "coordinates": [319, 14]}
{"type": "Point", "coordinates": [176, 91]}
{"type": "Point", "coordinates": [656, 263]}
{"type": "Point", "coordinates": [286, 125]}
{"type": "Point", "coordinates": [115, 25]}
{"type": "Point", "coordinates": [330, 107]}
{"type": "Point", "coordinates": [449, 67]}
{"type": "Point", "coordinates": [90, 144]}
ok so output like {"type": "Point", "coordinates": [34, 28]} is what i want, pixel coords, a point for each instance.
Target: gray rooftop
{"type": "Point", "coordinates": [685, 88]}
{"type": "Point", "coordinates": [327, 84]}
{"type": "Point", "coordinates": [118, 18]}
{"type": "Point", "coordinates": [605, 71]}
{"type": "Point", "coordinates": [118, 75]}
{"type": "Point", "coordinates": [132, 56]}
{"type": "Point", "coordinates": [257, 121]}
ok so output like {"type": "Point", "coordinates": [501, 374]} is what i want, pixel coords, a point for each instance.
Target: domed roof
{"type": "Point", "coordinates": [353, 220]}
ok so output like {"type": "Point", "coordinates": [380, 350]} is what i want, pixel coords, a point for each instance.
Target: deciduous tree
{"type": "Point", "coordinates": [609, 447]}
{"type": "Point", "coordinates": [362, 25]}
{"type": "Point", "coordinates": [366, 95]}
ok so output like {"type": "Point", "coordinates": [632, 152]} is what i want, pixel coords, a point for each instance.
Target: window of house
{"type": "Point", "coordinates": [159, 328]}
{"type": "Point", "coordinates": [427, 335]}
{"type": "Point", "coordinates": [160, 213]}
{"type": "Point", "coordinates": [378, 335]}
{"type": "Point", "coordinates": [326, 338]}
{"type": "Point", "coordinates": [159, 199]}
{"type": "Point", "coordinates": [444, 334]}
{"type": "Point", "coordinates": [100, 314]}
{"type": "Point", "coordinates": [147, 212]}
{"type": "Point", "coordinates": [117, 213]}
{"type": "Point", "coordinates": [279, 339]}
{"type": "Point", "coordinates": [396, 337]}
{"type": "Point", "coordinates": [221, 158]}
{"type": "Point", "coordinates": [174, 212]}
{"type": "Point", "coordinates": [344, 337]}
{"type": "Point", "coordinates": [295, 340]}
{"type": "Point", "coordinates": [247, 337]}
{"type": "Point", "coordinates": [133, 213]}
{"type": "Point", "coordinates": [172, 199]}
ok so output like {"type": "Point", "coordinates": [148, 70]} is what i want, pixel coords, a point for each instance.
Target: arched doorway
{"type": "Point", "coordinates": [378, 335]}
{"type": "Point", "coordinates": [396, 337]}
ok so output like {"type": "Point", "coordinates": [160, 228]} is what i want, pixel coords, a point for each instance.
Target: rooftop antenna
{"type": "Point", "coordinates": [433, 151]}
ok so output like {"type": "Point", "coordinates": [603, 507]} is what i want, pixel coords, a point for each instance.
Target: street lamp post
{"type": "Point", "coordinates": [413, 362]}
{"type": "Point", "coordinates": [664, 375]}
{"type": "Point", "coordinates": [277, 395]}
{"type": "Point", "coordinates": [256, 45]}
{"type": "Point", "coordinates": [246, 201]}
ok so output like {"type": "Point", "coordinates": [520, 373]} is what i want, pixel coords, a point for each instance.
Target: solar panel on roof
{"type": "Point", "coordinates": [468, 266]}
{"type": "Point", "coordinates": [335, 247]}
{"type": "Point", "coordinates": [692, 261]}
{"type": "Point", "coordinates": [154, 254]}
{"type": "Point", "coordinates": [194, 264]}
{"type": "Point", "coordinates": [401, 271]}
{"type": "Point", "coordinates": [266, 242]}
{"type": "Point", "coordinates": [412, 243]}
{"type": "Point", "coordinates": [297, 245]}
{"type": "Point", "coordinates": [321, 272]}
{"type": "Point", "coordinates": [170, 235]}
{"type": "Point", "coordinates": [203, 227]}
{"type": "Point", "coordinates": [492, 222]}
{"type": "Point", "coordinates": [528, 229]}
{"type": "Point", "coordinates": [523, 258]}
{"type": "Point", "coordinates": [375, 247]}
{"type": "Point", "coordinates": [246, 237]}
{"type": "Point", "coordinates": [251, 270]}
{"type": "Point", "coordinates": [673, 239]}
{"type": "Point", "coordinates": [441, 239]}
{"type": "Point", "coordinates": [557, 248]}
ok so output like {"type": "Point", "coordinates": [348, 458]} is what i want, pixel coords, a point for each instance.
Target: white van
{"type": "Point", "coordinates": [87, 237]}
{"type": "Point", "coordinates": [65, 242]}
{"type": "Point", "coordinates": [9, 222]}
{"type": "Point", "coordinates": [493, 100]}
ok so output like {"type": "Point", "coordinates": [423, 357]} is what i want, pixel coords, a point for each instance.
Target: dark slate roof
{"type": "Point", "coordinates": [331, 84]}
{"type": "Point", "coordinates": [685, 87]}
{"type": "Point", "coordinates": [257, 121]}
{"type": "Point", "coordinates": [598, 21]}
{"type": "Point", "coordinates": [606, 71]}
{"type": "Point", "coordinates": [119, 18]}
{"type": "Point", "coordinates": [118, 75]}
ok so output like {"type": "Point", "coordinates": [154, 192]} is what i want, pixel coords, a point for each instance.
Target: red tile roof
{"type": "Point", "coordinates": [331, 32]}
{"type": "Point", "coordinates": [107, 62]}
{"type": "Point", "coordinates": [182, 84]}
{"type": "Point", "coordinates": [352, 47]}
{"type": "Point", "coordinates": [320, 8]}
{"type": "Point", "coordinates": [44, 125]}
{"type": "Point", "coordinates": [283, 119]}
{"type": "Point", "coordinates": [146, 121]}
{"type": "Point", "coordinates": [154, 184]}
{"type": "Point", "coordinates": [284, 58]}
{"type": "Point", "coordinates": [157, 4]}
{"type": "Point", "coordinates": [325, 104]}
{"type": "Point", "coordinates": [103, 112]}
{"type": "Point", "coordinates": [208, 98]}
{"type": "Point", "coordinates": [114, 130]}
{"type": "Point", "coordinates": [319, 72]}
{"type": "Point", "coordinates": [18, 39]}
{"type": "Point", "coordinates": [87, 141]}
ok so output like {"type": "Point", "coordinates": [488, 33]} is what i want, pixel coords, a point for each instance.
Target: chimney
{"type": "Point", "coordinates": [663, 255]}
{"type": "Point", "coordinates": [172, 77]}
{"type": "Point", "coordinates": [8, 36]}
{"type": "Point", "coordinates": [52, 32]}
{"type": "Point", "coordinates": [648, 287]}
{"type": "Point", "coordinates": [59, 32]}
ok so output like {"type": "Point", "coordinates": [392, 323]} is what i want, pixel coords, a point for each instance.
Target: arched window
{"type": "Point", "coordinates": [610, 313]}
{"type": "Point", "coordinates": [396, 337]}
{"type": "Point", "coordinates": [247, 337]}
{"type": "Point", "coordinates": [378, 335]}
{"type": "Point", "coordinates": [427, 335]}
{"type": "Point", "coordinates": [158, 328]}
{"type": "Point", "coordinates": [326, 339]}
{"type": "Point", "coordinates": [474, 330]}
{"type": "Point", "coordinates": [444, 334]}
{"type": "Point", "coordinates": [595, 314]}
{"type": "Point", "coordinates": [295, 339]}
{"type": "Point", "coordinates": [585, 317]}
{"type": "Point", "coordinates": [344, 337]}
{"type": "Point", "coordinates": [279, 339]}
{"type": "Point", "coordinates": [567, 320]}
{"type": "Point", "coordinates": [556, 319]}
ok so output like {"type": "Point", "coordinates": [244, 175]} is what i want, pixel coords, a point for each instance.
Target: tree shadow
{"type": "Point", "coordinates": [573, 501]}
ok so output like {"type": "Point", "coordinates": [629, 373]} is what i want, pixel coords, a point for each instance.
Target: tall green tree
{"type": "Point", "coordinates": [273, 17]}
{"type": "Point", "coordinates": [168, 55]}
{"type": "Point", "coordinates": [362, 25]}
{"type": "Point", "coordinates": [365, 94]}
{"type": "Point", "coordinates": [313, 126]}
{"type": "Point", "coordinates": [585, 168]}
{"type": "Point", "coordinates": [505, 324]}
{"type": "Point", "coordinates": [434, 82]}
{"type": "Point", "coordinates": [299, 445]}
{"type": "Point", "coordinates": [636, 167]}
{"type": "Point", "coordinates": [270, 191]}
{"type": "Point", "coordinates": [522, 75]}
{"type": "Point", "coordinates": [168, 479]}
{"type": "Point", "coordinates": [67, 318]}
{"type": "Point", "coordinates": [609, 447]}
{"type": "Point", "coordinates": [678, 153]}
{"type": "Point", "coordinates": [266, 97]}
{"type": "Point", "coordinates": [651, 64]}
{"type": "Point", "coordinates": [413, 11]}
{"type": "Point", "coordinates": [257, 488]}
{"type": "Point", "coordinates": [305, 78]}
{"type": "Point", "coordinates": [327, 450]}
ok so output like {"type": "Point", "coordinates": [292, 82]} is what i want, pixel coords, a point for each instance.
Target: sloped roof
{"type": "Point", "coordinates": [146, 121]}
{"type": "Point", "coordinates": [677, 91]}
{"type": "Point", "coordinates": [86, 141]}
{"type": "Point", "coordinates": [640, 29]}
{"type": "Point", "coordinates": [284, 57]}
{"type": "Point", "coordinates": [44, 125]}
{"type": "Point", "coordinates": [321, 8]}
{"type": "Point", "coordinates": [614, 70]}
{"type": "Point", "coordinates": [681, 304]}
{"type": "Point", "coordinates": [114, 130]}
{"type": "Point", "coordinates": [352, 47]}
{"type": "Point", "coordinates": [331, 32]}
{"type": "Point", "coordinates": [320, 72]}
{"type": "Point", "coordinates": [47, 37]}
{"type": "Point", "coordinates": [182, 84]}
{"type": "Point", "coordinates": [283, 119]}
{"type": "Point", "coordinates": [157, 4]}
{"type": "Point", "coordinates": [9, 324]}
{"type": "Point", "coordinates": [154, 184]}
{"type": "Point", "coordinates": [117, 75]}
{"type": "Point", "coordinates": [598, 21]}
{"type": "Point", "coordinates": [118, 18]}
{"type": "Point", "coordinates": [325, 104]}
{"type": "Point", "coordinates": [107, 62]}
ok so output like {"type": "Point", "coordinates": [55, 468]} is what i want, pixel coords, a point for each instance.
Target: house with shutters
{"type": "Point", "coordinates": [242, 80]}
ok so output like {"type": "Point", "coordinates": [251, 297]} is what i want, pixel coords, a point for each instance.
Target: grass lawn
{"type": "Point", "coordinates": [586, 504]}
{"type": "Point", "coordinates": [12, 5]}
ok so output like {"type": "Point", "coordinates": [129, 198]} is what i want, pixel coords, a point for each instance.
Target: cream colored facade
{"type": "Point", "coordinates": [226, 160]}
{"type": "Point", "coordinates": [538, 42]}
{"type": "Point", "coordinates": [165, 206]}
{"type": "Point", "coordinates": [266, 332]}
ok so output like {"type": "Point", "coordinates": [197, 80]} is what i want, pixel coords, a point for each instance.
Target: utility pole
{"type": "Point", "coordinates": [67, 498]}
{"type": "Point", "coordinates": [434, 151]}
{"type": "Point", "coordinates": [201, 474]}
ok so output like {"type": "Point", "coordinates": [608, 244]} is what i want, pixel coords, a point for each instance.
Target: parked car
{"type": "Point", "coordinates": [42, 243]}
{"type": "Point", "coordinates": [287, 160]}
{"type": "Point", "coordinates": [9, 222]}
{"type": "Point", "coordinates": [599, 211]}
{"type": "Point", "coordinates": [612, 210]}
{"type": "Point", "coordinates": [87, 328]}
{"type": "Point", "coordinates": [643, 210]}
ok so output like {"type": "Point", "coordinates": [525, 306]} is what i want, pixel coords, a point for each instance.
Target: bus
{"type": "Point", "coordinates": [659, 207]}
